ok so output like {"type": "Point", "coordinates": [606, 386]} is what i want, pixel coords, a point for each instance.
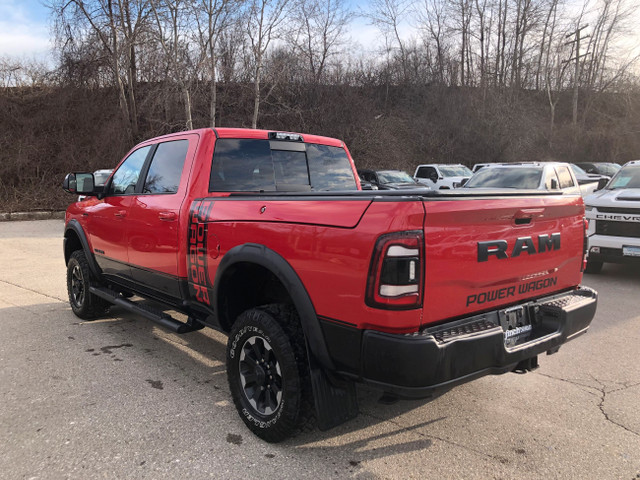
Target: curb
{"type": "Point", "coordinates": [19, 216]}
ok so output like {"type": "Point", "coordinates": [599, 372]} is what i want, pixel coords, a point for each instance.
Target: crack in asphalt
{"type": "Point", "coordinates": [32, 290]}
{"type": "Point", "coordinates": [601, 393]}
{"type": "Point", "coordinates": [603, 397]}
{"type": "Point", "coordinates": [584, 387]}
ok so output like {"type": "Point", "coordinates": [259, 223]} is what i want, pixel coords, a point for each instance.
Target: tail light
{"type": "Point", "coordinates": [585, 244]}
{"type": "Point", "coordinates": [396, 274]}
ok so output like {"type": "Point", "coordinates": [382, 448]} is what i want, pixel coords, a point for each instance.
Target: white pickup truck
{"type": "Point", "coordinates": [551, 176]}
{"type": "Point", "coordinates": [438, 176]}
{"type": "Point", "coordinates": [614, 220]}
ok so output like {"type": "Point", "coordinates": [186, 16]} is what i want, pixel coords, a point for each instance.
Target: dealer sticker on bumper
{"type": "Point", "coordinates": [631, 251]}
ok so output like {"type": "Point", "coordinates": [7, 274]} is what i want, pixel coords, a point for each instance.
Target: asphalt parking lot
{"type": "Point", "coordinates": [121, 398]}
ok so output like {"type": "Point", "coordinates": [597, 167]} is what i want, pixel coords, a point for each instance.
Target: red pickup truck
{"type": "Point", "coordinates": [268, 237]}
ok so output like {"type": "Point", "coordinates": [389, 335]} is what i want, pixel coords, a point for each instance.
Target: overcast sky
{"type": "Point", "coordinates": [24, 28]}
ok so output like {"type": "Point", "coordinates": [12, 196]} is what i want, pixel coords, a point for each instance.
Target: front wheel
{"type": "Point", "coordinates": [84, 304]}
{"type": "Point", "coordinates": [268, 372]}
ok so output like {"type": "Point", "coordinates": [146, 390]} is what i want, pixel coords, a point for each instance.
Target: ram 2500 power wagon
{"type": "Point", "coordinates": [266, 236]}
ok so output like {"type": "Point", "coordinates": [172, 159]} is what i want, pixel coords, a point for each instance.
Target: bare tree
{"type": "Point", "coordinates": [388, 15]}
{"type": "Point", "coordinates": [115, 23]}
{"type": "Point", "coordinates": [432, 21]}
{"type": "Point", "coordinates": [173, 27]}
{"type": "Point", "coordinates": [265, 20]}
{"type": "Point", "coordinates": [319, 32]}
{"type": "Point", "coordinates": [216, 17]}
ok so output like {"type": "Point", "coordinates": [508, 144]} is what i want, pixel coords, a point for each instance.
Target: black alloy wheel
{"type": "Point", "coordinates": [260, 375]}
{"type": "Point", "coordinates": [268, 372]}
{"type": "Point", "coordinates": [84, 304]}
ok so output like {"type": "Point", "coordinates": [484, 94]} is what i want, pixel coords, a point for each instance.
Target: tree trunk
{"type": "Point", "coordinates": [256, 98]}
{"type": "Point", "coordinates": [187, 106]}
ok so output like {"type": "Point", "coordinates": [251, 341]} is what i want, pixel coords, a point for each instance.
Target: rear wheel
{"type": "Point", "coordinates": [268, 372]}
{"type": "Point", "coordinates": [593, 266]}
{"type": "Point", "coordinates": [84, 304]}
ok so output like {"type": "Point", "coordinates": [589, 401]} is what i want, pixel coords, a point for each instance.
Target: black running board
{"type": "Point", "coordinates": [150, 313]}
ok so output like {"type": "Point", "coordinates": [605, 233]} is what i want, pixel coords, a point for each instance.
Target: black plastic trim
{"type": "Point", "coordinates": [419, 365]}
{"type": "Point", "coordinates": [390, 195]}
{"type": "Point", "coordinates": [163, 283]}
{"type": "Point", "coordinates": [613, 255]}
{"type": "Point", "coordinates": [267, 258]}
{"type": "Point", "coordinates": [77, 229]}
{"type": "Point", "coordinates": [344, 344]}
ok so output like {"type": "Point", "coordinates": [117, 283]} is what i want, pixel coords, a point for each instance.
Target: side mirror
{"type": "Point", "coordinates": [464, 182]}
{"type": "Point", "coordinates": [554, 184]}
{"type": "Point", "coordinates": [602, 183]}
{"type": "Point", "coordinates": [80, 184]}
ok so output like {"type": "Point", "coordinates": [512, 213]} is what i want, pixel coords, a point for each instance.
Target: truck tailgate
{"type": "Point", "coordinates": [486, 253]}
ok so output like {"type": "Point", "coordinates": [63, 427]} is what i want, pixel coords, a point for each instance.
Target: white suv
{"type": "Point", "coordinates": [614, 220]}
{"type": "Point", "coordinates": [442, 176]}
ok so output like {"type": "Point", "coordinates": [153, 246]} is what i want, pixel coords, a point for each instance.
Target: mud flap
{"type": "Point", "coordinates": [335, 399]}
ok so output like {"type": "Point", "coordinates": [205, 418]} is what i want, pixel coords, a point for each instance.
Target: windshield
{"type": "Point", "coordinates": [395, 177]}
{"type": "Point", "coordinates": [609, 169]}
{"type": "Point", "coordinates": [577, 171]}
{"type": "Point", "coordinates": [498, 177]}
{"type": "Point", "coordinates": [455, 171]}
{"type": "Point", "coordinates": [627, 177]}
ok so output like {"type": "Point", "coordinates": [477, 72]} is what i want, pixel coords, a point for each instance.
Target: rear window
{"type": "Point", "coordinates": [248, 165]}
{"type": "Point", "coordinates": [496, 177]}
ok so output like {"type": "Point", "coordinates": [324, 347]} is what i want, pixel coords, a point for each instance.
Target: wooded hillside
{"type": "Point", "coordinates": [480, 81]}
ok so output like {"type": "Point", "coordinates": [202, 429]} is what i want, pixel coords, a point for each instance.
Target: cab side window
{"type": "Point", "coordinates": [549, 176]}
{"type": "Point", "coordinates": [166, 167]}
{"type": "Point", "coordinates": [125, 179]}
{"type": "Point", "coordinates": [566, 181]}
{"type": "Point", "coordinates": [423, 172]}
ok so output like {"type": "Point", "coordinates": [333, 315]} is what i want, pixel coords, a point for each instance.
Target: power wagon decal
{"type": "Point", "coordinates": [199, 286]}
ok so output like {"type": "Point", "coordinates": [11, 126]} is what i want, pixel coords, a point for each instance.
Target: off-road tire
{"type": "Point", "coordinates": [84, 304]}
{"type": "Point", "coordinates": [268, 372]}
{"type": "Point", "coordinates": [593, 266]}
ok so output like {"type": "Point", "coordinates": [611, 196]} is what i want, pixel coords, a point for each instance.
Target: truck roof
{"type": "Point", "coordinates": [251, 133]}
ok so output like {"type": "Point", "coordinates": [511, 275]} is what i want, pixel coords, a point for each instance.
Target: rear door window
{"type": "Point", "coordinates": [166, 167]}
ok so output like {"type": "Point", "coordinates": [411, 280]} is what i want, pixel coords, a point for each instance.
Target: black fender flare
{"type": "Point", "coordinates": [75, 226]}
{"type": "Point", "coordinates": [276, 264]}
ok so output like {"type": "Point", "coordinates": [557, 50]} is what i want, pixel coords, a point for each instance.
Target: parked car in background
{"type": "Point", "coordinates": [100, 177]}
{"type": "Point", "coordinates": [614, 220]}
{"type": "Point", "coordinates": [478, 166]}
{"type": "Point", "coordinates": [390, 179]}
{"type": "Point", "coordinates": [442, 176]}
{"type": "Point", "coordinates": [535, 176]}
{"type": "Point", "coordinates": [585, 178]}
{"type": "Point", "coordinates": [603, 168]}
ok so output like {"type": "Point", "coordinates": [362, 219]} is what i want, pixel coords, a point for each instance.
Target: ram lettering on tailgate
{"type": "Point", "coordinates": [546, 243]}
